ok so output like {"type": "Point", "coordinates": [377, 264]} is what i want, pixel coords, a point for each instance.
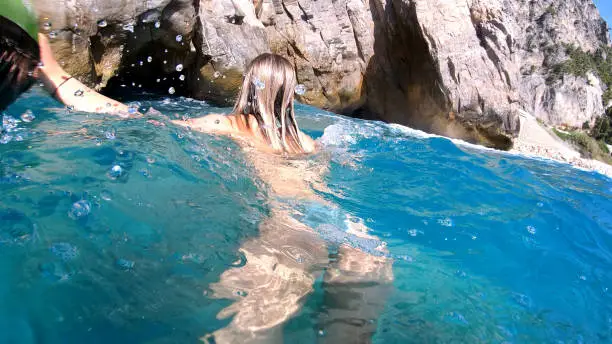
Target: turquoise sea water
{"type": "Point", "coordinates": [113, 230]}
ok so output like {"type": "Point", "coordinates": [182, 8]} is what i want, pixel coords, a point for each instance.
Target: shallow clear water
{"type": "Point", "coordinates": [113, 230]}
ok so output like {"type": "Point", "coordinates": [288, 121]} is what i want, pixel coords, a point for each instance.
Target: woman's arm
{"type": "Point", "coordinates": [71, 91]}
{"type": "Point", "coordinates": [219, 124]}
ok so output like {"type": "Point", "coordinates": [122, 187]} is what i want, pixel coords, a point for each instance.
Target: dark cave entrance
{"type": "Point", "coordinates": [402, 81]}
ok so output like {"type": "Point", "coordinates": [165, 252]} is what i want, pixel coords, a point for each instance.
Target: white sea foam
{"type": "Point", "coordinates": [346, 132]}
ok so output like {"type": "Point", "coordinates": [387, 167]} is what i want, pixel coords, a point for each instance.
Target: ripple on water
{"type": "Point", "coordinates": [456, 318]}
{"type": "Point", "coordinates": [522, 300]}
{"type": "Point", "coordinates": [462, 290]}
{"type": "Point", "coordinates": [106, 195]}
{"type": "Point", "coordinates": [56, 271]}
{"type": "Point", "coordinates": [125, 264]}
{"type": "Point", "coordinates": [64, 250]}
{"type": "Point", "coordinates": [446, 222]}
{"type": "Point", "coordinates": [16, 227]}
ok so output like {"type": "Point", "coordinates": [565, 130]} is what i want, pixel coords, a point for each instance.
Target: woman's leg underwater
{"type": "Point", "coordinates": [357, 286]}
{"type": "Point", "coordinates": [281, 267]}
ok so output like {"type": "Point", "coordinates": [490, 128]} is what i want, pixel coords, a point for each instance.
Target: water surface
{"type": "Point", "coordinates": [114, 230]}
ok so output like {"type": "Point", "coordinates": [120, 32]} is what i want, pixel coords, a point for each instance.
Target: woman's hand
{"type": "Point", "coordinates": [71, 91]}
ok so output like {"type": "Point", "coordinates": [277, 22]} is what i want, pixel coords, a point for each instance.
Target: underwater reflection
{"type": "Point", "coordinates": [282, 264]}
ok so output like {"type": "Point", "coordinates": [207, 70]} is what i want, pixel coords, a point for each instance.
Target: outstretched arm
{"type": "Point", "coordinates": [214, 123]}
{"type": "Point", "coordinates": [71, 91]}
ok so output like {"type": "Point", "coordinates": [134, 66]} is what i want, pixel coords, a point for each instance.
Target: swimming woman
{"type": "Point", "coordinates": [283, 263]}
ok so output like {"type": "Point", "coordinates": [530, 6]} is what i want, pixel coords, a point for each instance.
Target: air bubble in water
{"type": "Point", "coordinates": [110, 134]}
{"type": "Point", "coordinates": [149, 59]}
{"type": "Point", "coordinates": [27, 116]}
{"type": "Point", "coordinates": [179, 38]}
{"type": "Point", "coordinates": [157, 80]}
{"type": "Point", "coordinates": [179, 67]}
{"type": "Point", "coordinates": [217, 74]}
{"type": "Point", "coordinates": [300, 89]}
{"type": "Point", "coordinates": [102, 23]}
{"type": "Point", "coordinates": [47, 26]}
{"type": "Point", "coordinates": [4, 139]}
{"type": "Point", "coordinates": [260, 85]}
{"type": "Point", "coordinates": [157, 24]}
{"type": "Point", "coordinates": [406, 258]}
{"type": "Point", "coordinates": [125, 264]}
{"type": "Point", "coordinates": [8, 123]}
{"type": "Point", "coordinates": [78, 93]}
{"type": "Point", "coordinates": [115, 172]}
{"type": "Point", "coordinates": [182, 77]}
{"type": "Point", "coordinates": [80, 209]}
{"type": "Point", "coordinates": [106, 195]}
{"type": "Point", "coordinates": [531, 229]}
{"type": "Point", "coordinates": [171, 90]}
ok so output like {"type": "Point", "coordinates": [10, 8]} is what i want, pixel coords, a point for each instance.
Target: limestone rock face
{"type": "Point", "coordinates": [547, 26]}
{"type": "Point", "coordinates": [461, 68]}
{"type": "Point", "coordinates": [477, 62]}
{"type": "Point", "coordinates": [330, 42]}
{"type": "Point", "coordinates": [442, 70]}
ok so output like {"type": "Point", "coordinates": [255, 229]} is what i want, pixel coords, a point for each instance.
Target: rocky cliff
{"type": "Point", "coordinates": [458, 68]}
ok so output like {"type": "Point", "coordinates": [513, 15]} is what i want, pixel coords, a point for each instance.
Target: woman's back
{"type": "Point", "coordinates": [288, 175]}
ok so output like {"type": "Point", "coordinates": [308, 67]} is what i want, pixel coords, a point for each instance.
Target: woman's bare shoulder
{"type": "Point", "coordinates": [213, 123]}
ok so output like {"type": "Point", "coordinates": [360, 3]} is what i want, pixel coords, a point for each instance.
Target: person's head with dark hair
{"type": "Point", "coordinates": [19, 51]}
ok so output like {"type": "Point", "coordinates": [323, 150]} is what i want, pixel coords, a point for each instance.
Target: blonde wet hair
{"type": "Point", "coordinates": [267, 93]}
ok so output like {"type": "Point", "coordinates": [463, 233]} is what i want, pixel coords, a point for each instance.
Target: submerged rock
{"type": "Point", "coordinates": [457, 68]}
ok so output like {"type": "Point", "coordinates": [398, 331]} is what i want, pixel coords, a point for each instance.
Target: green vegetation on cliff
{"type": "Point", "coordinates": [591, 142]}
{"type": "Point", "coordinates": [580, 63]}
{"type": "Point", "coordinates": [587, 146]}
{"type": "Point", "coordinates": [602, 130]}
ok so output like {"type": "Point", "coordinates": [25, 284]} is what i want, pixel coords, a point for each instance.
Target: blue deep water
{"type": "Point", "coordinates": [113, 230]}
